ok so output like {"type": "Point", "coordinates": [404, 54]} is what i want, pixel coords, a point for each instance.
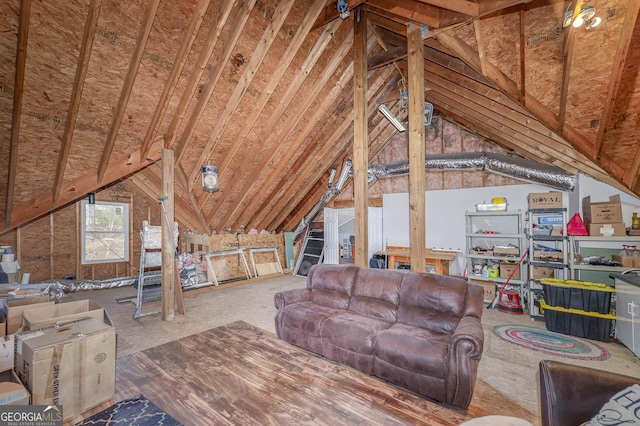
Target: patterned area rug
{"type": "Point", "coordinates": [551, 343]}
{"type": "Point", "coordinates": [138, 411]}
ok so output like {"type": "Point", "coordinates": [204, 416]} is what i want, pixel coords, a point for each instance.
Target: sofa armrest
{"type": "Point", "coordinates": [571, 394]}
{"type": "Point", "coordinates": [290, 297]}
{"type": "Point", "coordinates": [465, 351]}
{"type": "Point", "coordinates": [469, 330]}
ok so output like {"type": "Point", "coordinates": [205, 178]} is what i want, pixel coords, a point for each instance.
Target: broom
{"type": "Point", "coordinates": [495, 299]}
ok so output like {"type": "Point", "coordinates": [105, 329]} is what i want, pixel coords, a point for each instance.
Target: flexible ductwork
{"type": "Point", "coordinates": [514, 167]}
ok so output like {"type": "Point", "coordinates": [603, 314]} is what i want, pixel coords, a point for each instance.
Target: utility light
{"type": "Point", "coordinates": [396, 123]}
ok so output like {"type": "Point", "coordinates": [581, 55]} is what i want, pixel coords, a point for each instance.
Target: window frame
{"type": "Point", "coordinates": [126, 233]}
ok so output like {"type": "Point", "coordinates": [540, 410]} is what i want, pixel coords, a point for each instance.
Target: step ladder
{"type": "Point", "coordinates": [150, 273]}
{"type": "Point", "coordinates": [312, 252]}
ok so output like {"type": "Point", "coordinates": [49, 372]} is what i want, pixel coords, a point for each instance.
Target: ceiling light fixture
{"type": "Point", "coordinates": [396, 123]}
{"type": "Point", "coordinates": [586, 16]}
{"type": "Point", "coordinates": [343, 9]}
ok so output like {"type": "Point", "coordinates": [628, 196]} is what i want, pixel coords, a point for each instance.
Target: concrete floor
{"type": "Point", "coordinates": [507, 376]}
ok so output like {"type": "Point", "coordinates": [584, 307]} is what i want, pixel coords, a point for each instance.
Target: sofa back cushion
{"type": "Point", "coordinates": [331, 285]}
{"type": "Point", "coordinates": [433, 302]}
{"type": "Point", "coordinates": [376, 294]}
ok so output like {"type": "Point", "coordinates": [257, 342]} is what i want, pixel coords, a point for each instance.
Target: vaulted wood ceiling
{"type": "Point", "coordinates": [92, 90]}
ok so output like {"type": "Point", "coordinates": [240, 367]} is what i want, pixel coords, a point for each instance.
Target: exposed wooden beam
{"type": "Point", "coordinates": [619, 62]}
{"type": "Point", "coordinates": [130, 79]}
{"type": "Point", "coordinates": [216, 72]}
{"type": "Point", "coordinates": [387, 57]}
{"type": "Point", "coordinates": [522, 54]}
{"type": "Point", "coordinates": [122, 165]}
{"type": "Point", "coordinates": [480, 43]}
{"type": "Point", "coordinates": [259, 53]}
{"type": "Point", "coordinates": [417, 178]}
{"type": "Point", "coordinates": [168, 247]}
{"type": "Point", "coordinates": [176, 72]}
{"type": "Point", "coordinates": [301, 109]}
{"type": "Point", "coordinates": [76, 93]}
{"type": "Point", "coordinates": [360, 139]}
{"type": "Point", "coordinates": [417, 12]}
{"type": "Point", "coordinates": [18, 92]}
{"type": "Point", "coordinates": [338, 146]}
{"type": "Point", "coordinates": [470, 8]}
{"type": "Point", "coordinates": [567, 57]}
{"type": "Point", "coordinates": [471, 57]}
{"type": "Point", "coordinates": [233, 181]}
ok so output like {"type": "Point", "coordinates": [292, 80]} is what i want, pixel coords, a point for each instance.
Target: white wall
{"type": "Point", "coordinates": [445, 211]}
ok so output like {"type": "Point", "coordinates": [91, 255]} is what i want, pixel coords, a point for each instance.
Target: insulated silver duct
{"type": "Point", "coordinates": [518, 168]}
{"type": "Point", "coordinates": [324, 200]}
{"type": "Point", "coordinates": [506, 165]}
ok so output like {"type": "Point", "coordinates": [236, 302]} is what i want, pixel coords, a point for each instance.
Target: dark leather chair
{"type": "Point", "coordinates": [571, 395]}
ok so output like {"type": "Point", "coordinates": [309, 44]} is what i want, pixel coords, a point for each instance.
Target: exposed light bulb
{"type": "Point", "coordinates": [577, 23]}
{"type": "Point", "coordinates": [593, 22]}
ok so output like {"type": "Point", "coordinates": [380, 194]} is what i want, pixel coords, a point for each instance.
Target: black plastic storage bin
{"type": "Point", "coordinates": [585, 324]}
{"type": "Point", "coordinates": [582, 295]}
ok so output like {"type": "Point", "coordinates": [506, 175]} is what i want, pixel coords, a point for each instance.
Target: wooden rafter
{"type": "Point", "coordinates": [268, 37]}
{"type": "Point", "coordinates": [176, 72]}
{"type": "Point", "coordinates": [289, 125]}
{"type": "Point", "coordinates": [122, 165]}
{"type": "Point", "coordinates": [330, 13]}
{"type": "Point", "coordinates": [567, 57]}
{"type": "Point", "coordinates": [308, 172]}
{"type": "Point", "coordinates": [201, 64]}
{"type": "Point", "coordinates": [622, 51]}
{"type": "Point", "coordinates": [283, 104]}
{"type": "Point", "coordinates": [76, 93]}
{"type": "Point", "coordinates": [18, 92]}
{"type": "Point", "coordinates": [132, 72]}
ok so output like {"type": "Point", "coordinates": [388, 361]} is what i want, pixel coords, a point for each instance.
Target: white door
{"type": "Point", "coordinates": [331, 239]}
{"type": "Point", "coordinates": [375, 231]}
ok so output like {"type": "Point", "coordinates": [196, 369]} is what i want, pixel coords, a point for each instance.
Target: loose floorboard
{"type": "Point", "coordinates": [238, 374]}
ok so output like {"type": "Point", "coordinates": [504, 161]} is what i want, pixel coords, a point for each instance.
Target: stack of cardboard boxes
{"type": "Point", "coordinates": [604, 219]}
{"type": "Point", "coordinates": [63, 354]}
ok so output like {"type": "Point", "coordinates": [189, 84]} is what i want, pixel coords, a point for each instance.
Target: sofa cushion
{"type": "Point", "coordinates": [415, 349]}
{"type": "Point", "coordinates": [376, 294]}
{"type": "Point", "coordinates": [307, 317]}
{"type": "Point", "coordinates": [331, 285]}
{"type": "Point", "coordinates": [433, 302]}
{"type": "Point", "coordinates": [352, 332]}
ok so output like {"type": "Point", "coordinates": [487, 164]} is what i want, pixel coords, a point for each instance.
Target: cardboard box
{"type": "Point", "coordinates": [44, 316]}
{"type": "Point", "coordinates": [507, 268]}
{"type": "Point", "coordinates": [545, 200]}
{"type": "Point", "coordinates": [489, 288]}
{"type": "Point", "coordinates": [506, 251]}
{"type": "Point", "coordinates": [15, 308]}
{"type": "Point", "coordinates": [548, 256]}
{"type": "Point", "coordinates": [602, 212]}
{"type": "Point", "coordinates": [541, 272]}
{"type": "Point", "coordinates": [627, 261]}
{"type": "Point", "coordinates": [7, 349]}
{"type": "Point", "coordinates": [70, 364]}
{"type": "Point", "coordinates": [607, 230]}
{"type": "Point", "coordinates": [12, 391]}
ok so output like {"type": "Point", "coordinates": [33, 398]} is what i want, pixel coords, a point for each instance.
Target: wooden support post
{"type": "Point", "coordinates": [417, 174]}
{"type": "Point", "coordinates": [168, 249]}
{"type": "Point", "coordinates": [360, 138]}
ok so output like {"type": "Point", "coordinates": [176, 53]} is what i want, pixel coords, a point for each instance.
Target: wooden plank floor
{"type": "Point", "coordinates": [238, 374]}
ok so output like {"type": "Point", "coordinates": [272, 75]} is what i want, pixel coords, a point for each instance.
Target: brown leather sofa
{"type": "Point", "coordinates": [571, 395]}
{"type": "Point", "coordinates": [418, 331]}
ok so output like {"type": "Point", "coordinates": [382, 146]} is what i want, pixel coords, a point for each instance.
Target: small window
{"type": "Point", "coordinates": [105, 232]}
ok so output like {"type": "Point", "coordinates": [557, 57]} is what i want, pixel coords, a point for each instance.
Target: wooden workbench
{"type": "Point", "coordinates": [438, 258]}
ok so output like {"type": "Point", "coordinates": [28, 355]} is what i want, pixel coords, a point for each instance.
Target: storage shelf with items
{"type": "Point", "coordinates": [546, 233]}
{"type": "Point", "coordinates": [594, 258]}
{"type": "Point", "coordinates": [495, 244]}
